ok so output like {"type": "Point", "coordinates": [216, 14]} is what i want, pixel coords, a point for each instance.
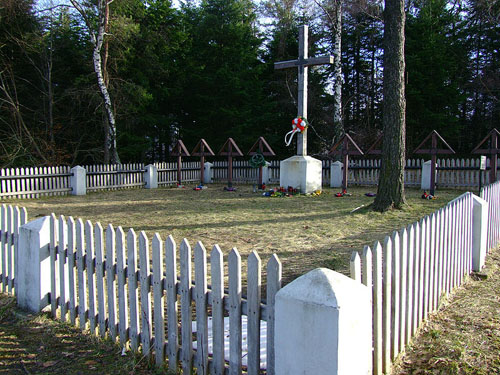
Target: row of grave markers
{"type": "Point", "coordinates": [229, 149]}
{"type": "Point", "coordinates": [346, 147]}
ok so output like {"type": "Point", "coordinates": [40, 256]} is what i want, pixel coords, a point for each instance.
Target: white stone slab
{"type": "Point", "coordinates": [303, 173]}
{"type": "Point", "coordinates": [336, 174]}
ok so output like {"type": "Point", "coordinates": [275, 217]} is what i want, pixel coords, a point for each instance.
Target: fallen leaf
{"type": "Point", "coordinates": [49, 363]}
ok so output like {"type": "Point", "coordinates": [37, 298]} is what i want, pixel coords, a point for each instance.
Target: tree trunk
{"type": "Point", "coordinates": [390, 192]}
{"type": "Point", "coordinates": [97, 39]}
{"type": "Point", "coordinates": [338, 77]}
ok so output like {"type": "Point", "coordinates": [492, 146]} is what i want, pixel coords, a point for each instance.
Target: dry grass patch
{"type": "Point", "coordinates": [463, 337]}
{"type": "Point", "coordinates": [305, 231]}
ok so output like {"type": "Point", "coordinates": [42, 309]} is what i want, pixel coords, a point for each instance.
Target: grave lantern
{"type": "Point", "coordinates": [342, 148]}
{"type": "Point", "coordinates": [433, 151]}
{"type": "Point", "coordinates": [492, 150]}
{"type": "Point", "coordinates": [230, 149]}
{"type": "Point", "coordinates": [261, 147]}
{"type": "Point", "coordinates": [179, 150]}
{"type": "Point", "coordinates": [202, 149]}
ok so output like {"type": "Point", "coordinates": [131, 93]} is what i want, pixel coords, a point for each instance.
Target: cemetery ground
{"type": "Point", "coordinates": [305, 232]}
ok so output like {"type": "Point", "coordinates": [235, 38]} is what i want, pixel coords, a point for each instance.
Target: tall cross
{"type": "Point", "coordinates": [303, 63]}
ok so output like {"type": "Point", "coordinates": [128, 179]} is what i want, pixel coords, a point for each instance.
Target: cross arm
{"type": "Point", "coordinates": [305, 62]}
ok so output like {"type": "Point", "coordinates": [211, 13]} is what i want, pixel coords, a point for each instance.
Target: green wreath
{"type": "Point", "coordinates": [257, 160]}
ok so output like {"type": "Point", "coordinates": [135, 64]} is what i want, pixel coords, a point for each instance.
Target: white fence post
{"type": "Point", "coordinates": [78, 180]}
{"type": "Point", "coordinates": [480, 231]}
{"type": "Point", "coordinates": [151, 177]}
{"type": "Point", "coordinates": [336, 174]}
{"type": "Point", "coordinates": [33, 278]}
{"type": "Point", "coordinates": [265, 173]}
{"type": "Point", "coordinates": [323, 325]}
{"type": "Point", "coordinates": [208, 173]}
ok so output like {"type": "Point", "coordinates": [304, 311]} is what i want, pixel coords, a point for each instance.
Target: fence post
{"type": "Point", "coordinates": [78, 180]}
{"type": "Point", "coordinates": [479, 232]}
{"type": "Point", "coordinates": [323, 325]}
{"type": "Point", "coordinates": [336, 174]}
{"type": "Point", "coordinates": [151, 177]}
{"type": "Point", "coordinates": [265, 173]}
{"type": "Point", "coordinates": [208, 173]}
{"type": "Point", "coordinates": [33, 278]}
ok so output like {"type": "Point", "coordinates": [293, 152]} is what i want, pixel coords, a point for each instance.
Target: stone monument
{"type": "Point", "coordinates": [302, 171]}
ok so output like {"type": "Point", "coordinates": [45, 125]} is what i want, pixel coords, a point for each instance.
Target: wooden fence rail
{"type": "Point", "coordinates": [111, 283]}
{"type": "Point", "coordinates": [35, 182]}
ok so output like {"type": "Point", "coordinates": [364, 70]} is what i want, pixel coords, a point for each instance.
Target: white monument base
{"type": "Point", "coordinates": [302, 173]}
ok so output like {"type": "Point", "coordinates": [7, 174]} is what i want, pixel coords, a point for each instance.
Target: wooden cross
{"type": "Point", "coordinates": [493, 150]}
{"type": "Point", "coordinates": [342, 148]}
{"type": "Point", "coordinates": [302, 64]}
{"type": "Point", "coordinates": [179, 150]}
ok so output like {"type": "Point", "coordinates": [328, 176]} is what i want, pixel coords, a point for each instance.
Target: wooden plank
{"type": "Point", "coordinates": [53, 270]}
{"type": "Point", "coordinates": [410, 270]}
{"type": "Point", "coordinates": [111, 281]}
{"type": "Point", "coordinates": [274, 275]}
{"type": "Point", "coordinates": [396, 297]}
{"type": "Point", "coordinates": [200, 267]}
{"type": "Point", "coordinates": [71, 269]}
{"type": "Point", "coordinates": [235, 334]}
{"type": "Point", "coordinates": [186, 310]}
{"type": "Point", "coordinates": [403, 269]}
{"type": "Point", "coordinates": [133, 298]}
{"type": "Point", "coordinates": [144, 273]}
{"type": "Point", "coordinates": [447, 250]}
{"type": "Point", "coordinates": [80, 269]}
{"type": "Point", "coordinates": [61, 249]}
{"type": "Point", "coordinates": [10, 249]}
{"type": "Point", "coordinates": [3, 248]}
{"type": "Point", "coordinates": [217, 273]}
{"type": "Point", "coordinates": [253, 315]}
{"type": "Point", "coordinates": [440, 254]}
{"type": "Point", "coordinates": [15, 234]}
{"type": "Point", "coordinates": [89, 262]}
{"type": "Point", "coordinates": [367, 263]}
{"type": "Point", "coordinates": [171, 281]}
{"type": "Point", "coordinates": [386, 305]}
{"type": "Point", "coordinates": [355, 266]}
{"type": "Point", "coordinates": [377, 309]}
{"type": "Point", "coordinates": [432, 264]}
{"type": "Point", "coordinates": [99, 269]}
{"type": "Point", "coordinates": [418, 278]}
{"type": "Point", "coordinates": [426, 250]}
{"type": "Point", "coordinates": [122, 292]}
{"type": "Point", "coordinates": [158, 300]}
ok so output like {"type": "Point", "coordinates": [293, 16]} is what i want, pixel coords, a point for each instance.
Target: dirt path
{"type": "Point", "coordinates": [463, 337]}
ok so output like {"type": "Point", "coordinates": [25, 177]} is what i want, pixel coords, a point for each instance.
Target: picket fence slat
{"type": "Point", "coordinates": [100, 282]}
{"type": "Point", "coordinates": [71, 269]}
{"type": "Point", "coordinates": [61, 248]}
{"type": "Point", "coordinates": [186, 309]}
{"type": "Point", "coordinates": [91, 282]}
{"type": "Point", "coordinates": [111, 281]}
{"type": "Point", "coordinates": [386, 305]}
{"type": "Point", "coordinates": [171, 281]}
{"type": "Point", "coordinates": [52, 251]}
{"type": "Point", "coordinates": [200, 297]}
{"type": "Point", "coordinates": [158, 300]}
{"type": "Point", "coordinates": [121, 264]}
{"type": "Point", "coordinates": [396, 297]}
{"type": "Point", "coordinates": [217, 273]}
{"type": "Point", "coordinates": [134, 328]}
{"type": "Point", "coordinates": [274, 275]}
{"type": "Point", "coordinates": [146, 326]}
{"type": "Point", "coordinates": [253, 318]}
{"type": "Point", "coordinates": [80, 269]}
{"type": "Point", "coordinates": [378, 304]}
{"type": "Point", "coordinates": [235, 335]}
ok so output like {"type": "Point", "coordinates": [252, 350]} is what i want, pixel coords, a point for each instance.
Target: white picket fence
{"type": "Point", "coordinates": [106, 281]}
{"type": "Point", "coordinates": [416, 267]}
{"type": "Point", "coordinates": [113, 285]}
{"type": "Point", "coordinates": [491, 194]}
{"type": "Point", "coordinates": [36, 182]}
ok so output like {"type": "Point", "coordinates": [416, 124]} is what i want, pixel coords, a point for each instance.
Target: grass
{"type": "Point", "coordinates": [304, 231]}
{"type": "Point", "coordinates": [36, 344]}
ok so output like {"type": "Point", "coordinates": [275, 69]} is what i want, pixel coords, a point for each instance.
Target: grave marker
{"type": "Point", "coordinates": [179, 150]}
{"type": "Point", "coordinates": [230, 149]}
{"type": "Point", "coordinates": [493, 150]}
{"type": "Point", "coordinates": [302, 171]}
{"type": "Point", "coordinates": [202, 149]}
{"type": "Point", "coordinates": [261, 147]}
{"type": "Point", "coordinates": [345, 141]}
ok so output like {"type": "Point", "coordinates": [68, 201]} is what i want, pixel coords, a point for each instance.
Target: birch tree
{"type": "Point", "coordinates": [97, 34]}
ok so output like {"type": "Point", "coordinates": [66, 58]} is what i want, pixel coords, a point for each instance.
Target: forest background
{"type": "Point", "coordinates": [205, 70]}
